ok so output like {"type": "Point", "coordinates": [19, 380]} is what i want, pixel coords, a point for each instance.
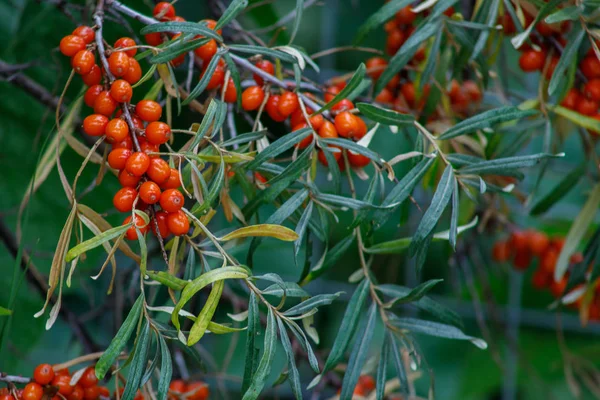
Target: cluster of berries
{"type": "Point", "coordinates": [179, 389]}
{"type": "Point", "coordinates": [522, 246]}
{"type": "Point", "coordinates": [146, 178]}
{"type": "Point", "coordinates": [59, 385]}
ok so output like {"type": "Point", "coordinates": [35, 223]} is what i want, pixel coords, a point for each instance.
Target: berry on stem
{"type": "Point", "coordinates": [148, 110]}
{"type": "Point", "coordinates": [83, 62]}
{"type": "Point", "coordinates": [91, 94]}
{"type": "Point", "coordinates": [85, 32]}
{"type": "Point", "coordinates": [149, 192]}
{"type": "Point", "coordinates": [178, 223]}
{"type": "Point", "coordinates": [71, 45]}
{"type": "Point", "coordinates": [171, 200]}
{"type": "Point", "coordinates": [252, 98]}
{"type": "Point", "coordinates": [121, 91]}
{"type": "Point", "coordinates": [158, 132]}
{"type": "Point", "coordinates": [118, 63]}
{"type": "Point", "coordinates": [95, 124]}
{"type": "Point", "coordinates": [123, 201]}
{"type": "Point", "coordinates": [124, 43]}
{"type": "Point", "coordinates": [134, 73]}
{"type": "Point", "coordinates": [265, 66]}
{"type": "Point", "coordinates": [117, 158]}
{"type": "Point", "coordinates": [116, 130]}
{"type": "Point", "coordinates": [160, 172]}
{"type": "Point", "coordinates": [138, 163]}
{"type": "Point", "coordinates": [105, 104]}
{"type": "Point", "coordinates": [43, 374]}
{"type": "Point", "coordinates": [94, 77]}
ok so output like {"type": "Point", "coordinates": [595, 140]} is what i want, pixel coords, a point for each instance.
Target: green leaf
{"type": "Point", "coordinates": [566, 14]}
{"type": "Point", "coordinates": [294, 376]}
{"type": "Point", "coordinates": [418, 292]}
{"type": "Point", "coordinates": [313, 302]}
{"type": "Point", "coordinates": [502, 166]}
{"type": "Point", "coordinates": [568, 57]}
{"type": "Point", "coordinates": [301, 228]}
{"type": "Point", "coordinates": [167, 279]}
{"type": "Point", "coordinates": [382, 369]}
{"type": "Point", "coordinates": [166, 369]}
{"type": "Point", "coordinates": [251, 349]}
{"type": "Point", "coordinates": [358, 357]}
{"type": "Point", "coordinates": [353, 83]}
{"type": "Point", "coordinates": [431, 60]}
{"type": "Point", "coordinates": [577, 231]}
{"type": "Point", "coordinates": [299, 11]}
{"type": "Point", "coordinates": [244, 138]}
{"type": "Point", "coordinates": [291, 290]}
{"type": "Point", "coordinates": [193, 287]}
{"type": "Point", "coordinates": [213, 193]}
{"type": "Point", "coordinates": [264, 367]}
{"type": "Point", "coordinates": [197, 28]}
{"type": "Point", "coordinates": [264, 230]}
{"type": "Point", "coordinates": [454, 217]}
{"type": "Point", "coordinates": [423, 32]}
{"type": "Point", "coordinates": [398, 361]}
{"type": "Point", "coordinates": [385, 116]}
{"type": "Point", "coordinates": [138, 363]}
{"type": "Point", "coordinates": [235, 77]}
{"type": "Point", "coordinates": [559, 191]}
{"type": "Point", "coordinates": [380, 17]}
{"type": "Point", "coordinates": [175, 48]}
{"type": "Point", "coordinates": [584, 121]}
{"type": "Point", "coordinates": [232, 11]}
{"type": "Point", "coordinates": [518, 40]}
{"type": "Point", "coordinates": [206, 76]}
{"type": "Point", "coordinates": [333, 255]}
{"type": "Point", "coordinates": [5, 311]}
{"type": "Point", "coordinates": [120, 340]}
{"type": "Point", "coordinates": [431, 217]}
{"type": "Point", "coordinates": [265, 51]}
{"type": "Point", "coordinates": [206, 314]}
{"type": "Point", "coordinates": [414, 325]}
{"type": "Point", "coordinates": [483, 36]}
{"type": "Point", "coordinates": [282, 144]}
{"type": "Point", "coordinates": [348, 202]}
{"type": "Point", "coordinates": [485, 120]}
{"type": "Point", "coordinates": [220, 329]}
{"type": "Point", "coordinates": [214, 111]}
{"type": "Point", "coordinates": [96, 241]}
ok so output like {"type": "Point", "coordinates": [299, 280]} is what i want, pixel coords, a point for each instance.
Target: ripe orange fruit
{"type": "Point", "coordinates": [288, 103]}
{"type": "Point", "coordinates": [304, 143]}
{"type": "Point", "coordinates": [158, 132]}
{"type": "Point", "coordinates": [76, 394]}
{"type": "Point", "coordinates": [91, 94]}
{"type": "Point", "coordinates": [207, 51]}
{"type": "Point", "coordinates": [86, 33]}
{"type": "Point", "coordinates": [164, 11]}
{"type": "Point", "coordinates": [121, 91]}
{"type": "Point", "coordinates": [163, 228]}
{"type": "Point", "coordinates": [124, 43]}
{"type": "Point", "coordinates": [346, 124]}
{"type": "Point", "coordinates": [33, 391]}
{"type": "Point", "coordinates": [105, 104]}
{"type": "Point", "coordinates": [592, 89]}
{"type": "Point", "coordinates": [358, 160]}
{"type": "Point", "coordinates": [538, 242]}
{"type": "Point", "coordinates": [171, 200]}
{"type": "Point", "coordinates": [94, 77]}
{"type": "Point", "coordinates": [127, 179]}
{"type": "Point", "coordinates": [519, 241]}
{"type": "Point", "coordinates": [149, 192]}
{"type": "Point", "coordinates": [532, 60]}
{"type": "Point", "coordinates": [134, 73]}
{"type": "Point", "coordinates": [160, 172]}
{"type": "Point", "coordinates": [117, 158]}
{"type": "Point", "coordinates": [148, 148]}
{"type": "Point", "coordinates": [83, 62]}
{"type": "Point", "coordinates": [71, 45]}
{"type": "Point", "coordinates": [230, 92]}
{"type": "Point", "coordinates": [123, 201]}
{"type": "Point", "coordinates": [130, 234]}
{"type": "Point", "coordinates": [375, 67]}
{"type": "Point", "coordinates": [127, 143]}
{"type": "Point", "coordinates": [272, 108]}
{"type": "Point", "coordinates": [63, 383]}
{"type": "Point", "coordinates": [116, 130]}
{"type": "Point", "coordinates": [385, 96]}
{"type": "Point", "coordinates": [590, 67]}
{"type": "Point", "coordinates": [148, 110]}
{"type": "Point", "coordinates": [541, 279]}
{"type": "Point", "coordinates": [522, 259]}
{"type": "Point", "coordinates": [199, 391]}
{"type": "Point", "coordinates": [328, 131]}
{"type": "Point", "coordinates": [178, 223]}
{"type": "Point", "coordinates": [571, 99]}
{"type": "Point", "coordinates": [43, 374]}
{"type": "Point", "coordinates": [394, 41]}
{"type": "Point", "coordinates": [172, 182]}
{"type": "Point", "coordinates": [265, 66]}
{"type": "Point", "coordinates": [118, 63]}
{"type": "Point", "coordinates": [95, 124]}
{"type": "Point", "coordinates": [406, 16]}
{"type": "Point", "coordinates": [501, 251]}
{"type": "Point", "coordinates": [367, 382]}
{"type": "Point", "coordinates": [342, 105]}
{"type": "Point", "coordinates": [252, 98]}
{"type": "Point", "coordinates": [138, 163]}
{"type": "Point", "coordinates": [587, 106]}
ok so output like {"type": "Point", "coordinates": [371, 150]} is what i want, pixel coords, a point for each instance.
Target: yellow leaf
{"type": "Point", "coordinates": [269, 230]}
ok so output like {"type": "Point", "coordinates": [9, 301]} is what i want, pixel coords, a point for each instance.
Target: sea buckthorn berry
{"type": "Point", "coordinates": [508, 25]}
{"type": "Point", "coordinates": [153, 39]}
{"type": "Point", "coordinates": [304, 143]}
{"type": "Point", "coordinates": [103, 391]}
{"type": "Point", "coordinates": [571, 99]}
{"type": "Point", "coordinates": [532, 60]}
{"type": "Point", "coordinates": [385, 96]}
{"type": "Point", "coordinates": [375, 67]}
{"type": "Point", "coordinates": [328, 131]}
{"type": "Point", "coordinates": [207, 51]}
{"type": "Point", "coordinates": [86, 33]}
{"type": "Point", "coordinates": [33, 391]}
{"type": "Point", "coordinates": [63, 384]}
{"type": "Point", "coordinates": [94, 77]}
{"type": "Point", "coordinates": [362, 128]}
{"type": "Point", "coordinates": [409, 93]}
{"type": "Point", "coordinates": [124, 43]}
{"type": "Point", "coordinates": [406, 16]}
{"type": "Point", "coordinates": [95, 124]}
{"type": "Point", "coordinates": [217, 77]}
{"type": "Point", "coordinates": [134, 73]}
{"type": "Point", "coordinates": [367, 382]}
{"type": "Point", "coordinates": [211, 24]}
{"type": "Point", "coordinates": [93, 392]}
{"type": "Point", "coordinates": [159, 171]}
{"type": "Point", "coordinates": [198, 391]}
{"type": "Point", "coordinates": [541, 279]}
{"type": "Point", "coordinates": [346, 124]}
{"type": "Point", "coordinates": [91, 94]}
{"type": "Point", "coordinates": [272, 108]}
{"type": "Point", "coordinates": [252, 98]}
{"type": "Point", "coordinates": [117, 158]}
{"type": "Point", "coordinates": [538, 243]}
{"type": "Point", "coordinates": [330, 93]}
{"type": "Point", "coordinates": [118, 63]}
{"type": "Point", "coordinates": [88, 379]}
{"type": "Point", "coordinates": [127, 179]}
{"type": "Point", "coordinates": [116, 130]}
{"type": "Point", "coordinates": [587, 106]}
{"type": "Point", "coordinates": [71, 45]}
{"type": "Point", "coordinates": [558, 288]}
{"type": "Point", "coordinates": [149, 192]}
{"type": "Point", "coordinates": [158, 132]}
{"type": "Point", "coordinates": [177, 18]}
{"type": "Point", "coordinates": [177, 61]}
{"type": "Point", "coordinates": [358, 160]}
{"type": "Point", "coordinates": [592, 89]}
{"type": "Point", "coordinates": [522, 259]}
{"type": "Point", "coordinates": [121, 91]}
{"type": "Point", "coordinates": [230, 92]}
{"type": "Point", "coordinates": [548, 260]}
{"type": "Point", "coordinates": [164, 11]}
{"type": "Point", "coordinates": [43, 374]}
{"type": "Point", "coordinates": [161, 220]}
{"type": "Point", "coordinates": [172, 182]}
{"type": "Point", "coordinates": [337, 155]}
{"type": "Point", "coordinates": [62, 371]}
{"type": "Point", "coordinates": [149, 148]}
{"type": "Point", "coordinates": [83, 62]}
{"type": "Point", "coordinates": [551, 67]}
{"type": "Point", "coordinates": [342, 105]}
{"type": "Point", "coordinates": [288, 103]}
{"type": "Point", "coordinates": [472, 90]}
{"type": "Point", "coordinates": [148, 110]}
{"type": "Point", "coordinates": [590, 67]}
{"type": "Point", "coordinates": [171, 200]}
{"type": "Point", "coordinates": [123, 201]}
{"type": "Point", "coordinates": [519, 241]}
{"type": "Point", "coordinates": [394, 41]}
{"type": "Point", "coordinates": [297, 117]}
{"type": "Point", "coordinates": [178, 223]}
{"type": "Point", "coordinates": [105, 104]}
{"type": "Point", "coordinates": [393, 83]}
{"type": "Point", "coordinates": [501, 251]}
{"type": "Point", "coordinates": [266, 66]}
{"type": "Point", "coordinates": [138, 163]}
{"type": "Point", "coordinates": [126, 143]}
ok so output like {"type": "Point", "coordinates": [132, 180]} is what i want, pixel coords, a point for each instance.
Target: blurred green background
{"type": "Point", "coordinates": [30, 32]}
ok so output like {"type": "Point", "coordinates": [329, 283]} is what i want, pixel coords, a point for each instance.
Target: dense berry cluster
{"type": "Point", "coordinates": [179, 389]}
{"type": "Point", "coordinates": [522, 246]}
{"type": "Point", "coordinates": [147, 179]}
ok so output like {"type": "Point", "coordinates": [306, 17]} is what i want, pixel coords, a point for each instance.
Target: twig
{"type": "Point", "coordinates": [13, 378]}
{"type": "Point", "coordinates": [287, 18]}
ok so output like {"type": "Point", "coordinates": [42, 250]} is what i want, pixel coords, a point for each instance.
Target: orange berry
{"type": "Point", "coordinates": [330, 93]}
{"type": "Point", "coordinates": [252, 98]}
{"type": "Point", "coordinates": [149, 192]}
{"type": "Point", "coordinates": [362, 128]}
{"type": "Point", "coordinates": [148, 110]}
{"type": "Point", "coordinates": [218, 76]}
{"type": "Point", "coordinates": [93, 77]}
{"type": "Point", "coordinates": [43, 374]}
{"type": "Point", "coordinates": [472, 90]}
{"type": "Point", "coordinates": [153, 39]}
{"type": "Point", "coordinates": [522, 259]}
{"type": "Point", "coordinates": [199, 389]}
{"type": "Point", "coordinates": [212, 24]}
{"type": "Point", "coordinates": [342, 105]}
{"type": "Point", "coordinates": [158, 132]}
{"type": "Point", "coordinates": [297, 117]}
{"type": "Point", "coordinates": [406, 16]}
{"type": "Point", "coordinates": [501, 251]}
{"type": "Point", "coordinates": [161, 220]}
{"type": "Point", "coordinates": [86, 33]}
{"type": "Point", "coordinates": [592, 89]}
{"type": "Point", "coordinates": [538, 242]}
{"type": "Point", "coordinates": [532, 60]}
{"type": "Point", "coordinates": [519, 241]}
{"type": "Point", "coordinates": [138, 163]}
{"type": "Point", "coordinates": [375, 67]}
{"type": "Point", "coordinates": [83, 62]}
{"type": "Point", "coordinates": [130, 234]}
{"type": "Point", "coordinates": [394, 41]}
{"type": "Point", "coordinates": [304, 143]}
{"type": "Point", "coordinates": [367, 382]}
{"type": "Point", "coordinates": [265, 66]}
{"type": "Point", "coordinates": [230, 92]}
{"type": "Point", "coordinates": [207, 51]}
{"type": "Point", "coordinates": [571, 99]}
{"type": "Point", "coordinates": [551, 67]}
{"type": "Point", "coordinates": [118, 63]}
{"type": "Point", "coordinates": [171, 200]}
{"type": "Point", "coordinates": [272, 108]}
{"type": "Point", "coordinates": [159, 171]}
{"type": "Point", "coordinates": [116, 130]}
{"type": "Point", "coordinates": [134, 73]}
{"type": "Point", "coordinates": [288, 103]}
{"type": "Point", "coordinates": [393, 83]}
{"type": "Point", "coordinates": [409, 93]}
{"type": "Point", "coordinates": [6, 396]}
{"type": "Point", "coordinates": [127, 179]}
{"type": "Point", "coordinates": [148, 148]}
{"type": "Point", "coordinates": [124, 43]}
{"type": "Point", "coordinates": [558, 288]}
{"type": "Point", "coordinates": [328, 131]}
{"type": "Point", "coordinates": [172, 182]}
{"type": "Point", "coordinates": [358, 160]}
{"type": "Point", "coordinates": [163, 11]}
{"type": "Point", "coordinates": [91, 94]}
{"type": "Point", "coordinates": [32, 391]}
{"type": "Point", "coordinates": [121, 91]}
{"type": "Point", "coordinates": [541, 279]}
{"type": "Point", "coordinates": [385, 96]}
{"type": "Point", "coordinates": [117, 158]}
{"type": "Point", "coordinates": [590, 67]}
{"type": "Point", "coordinates": [123, 201]}
{"type": "Point", "coordinates": [346, 124]}
{"type": "Point", "coordinates": [587, 106]}
{"type": "Point", "coordinates": [178, 222]}
{"type": "Point", "coordinates": [105, 104]}
{"type": "Point", "coordinates": [103, 391]}
{"type": "Point", "coordinates": [126, 143]}
{"type": "Point", "coordinates": [76, 394]}
{"type": "Point", "coordinates": [63, 384]}
{"type": "Point", "coordinates": [93, 392]}
{"type": "Point", "coordinates": [71, 45]}
{"type": "Point", "coordinates": [95, 124]}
